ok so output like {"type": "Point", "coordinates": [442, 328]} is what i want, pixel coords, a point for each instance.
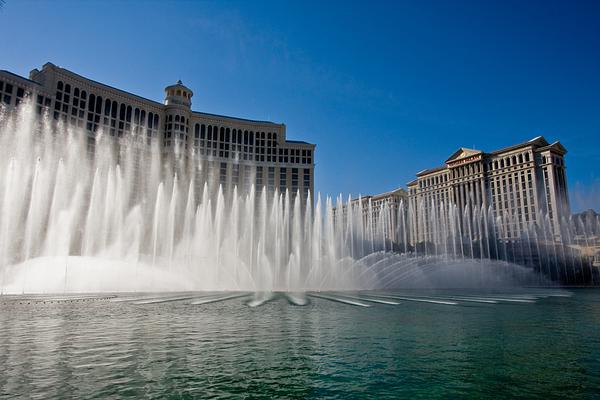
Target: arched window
{"type": "Point", "coordinates": [83, 95]}
{"type": "Point", "coordinates": [107, 107]}
{"type": "Point", "coordinates": [60, 85]}
{"type": "Point", "coordinates": [150, 124]}
{"type": "Point", "coordinates": [122, 112]}
{"type": "Point", "coordinates": [526, 157]}
{"type": "Point", "coordinates": [129, 113]}
{"type": "Point", "coordinates": [92, 103]}
{"type": "Point", "coordinates": [197, 131]}
{"type": "Point", "coordinates": [76, 92]}
{"type": "Point", "coordinates": [142, 117]}
{"type": "Point", "coordinates": [155, 120]}
{"type": "Point", "coordinates": [67, 88]}
{"type": "Point", "coordinates": [502, 163]}
{"type": "Point", "coordinates": [177, 118]}
{"type": "Point", "coordinates": [202, 131]}
{"type": "Point", "coordinates": [136, 116]}
{"type": "Point", "coordinates": [114, 109]}
{"type": "Point", "coordinates": [520, 158]}
{"type": "Point", "coordinates": [178, 92]}
{"type": "Point", "coordinates": [98, 105]}
{"type": "Point", "coordinates": [514, 160]}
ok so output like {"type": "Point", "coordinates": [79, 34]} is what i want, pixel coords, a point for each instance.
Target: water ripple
{"type": "Point", "coordinates": [106, 349]}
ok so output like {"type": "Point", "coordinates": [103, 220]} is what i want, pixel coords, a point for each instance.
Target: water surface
{"type": "Point", "coordinates": [517, 344]}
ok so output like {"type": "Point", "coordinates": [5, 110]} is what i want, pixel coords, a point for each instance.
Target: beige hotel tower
{"type": "Point", "coordinates": [229, 151]}
{"type": "Point", "coordinates": [521, 184]}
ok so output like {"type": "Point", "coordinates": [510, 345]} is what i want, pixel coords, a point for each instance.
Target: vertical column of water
{"type": "Point", "coordinates": [232, 242]}
{"type": "Point", "coordinates": [261, 237]}
{"type": "Point", "coordinates": [171, 223]}
{"type": "Point", "coordinates": [6, 221]}
{"type": "Point", "coordinates": [32, 221]}
{"type": "Point", "coordinates": [317, 224]}
{"type": "Point", "coordinates": [297, 240]}
{"type": "Point", "coordinates": [118, 210]}
{"type": "Point", "coordinates": [156, 228]}
{"type": "Point", "coordinates": [359, 217]}
{"type": "Point", "coordinates": [218, 226]}
{"type": "Point", "coordinates": [348, 215]}
{"type": "Point", "coordinates": [286, 235]}
{"type": "Point", "coordinates": [370, 227]}
{"type": "Point", "coordinates": [331, 254]}
{"type": "Point", "coordinates": [306, 261]}
{"type": "Point", "coordinates": [435, 227]}
{"type": "Point", "coordinates": [403, 225]}
{"type": "Point", "coordinates": [188, 230]}
{"type": "Point", "coordinates": [339, 233]}
{"type": "Point", "coordinates": [93, 220]}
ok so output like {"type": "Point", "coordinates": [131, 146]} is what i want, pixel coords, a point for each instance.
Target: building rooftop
{"type": "Point", "coordinates": [19, 77]}
{"type": "Point", "coordinates": [538, 140]}
{"type": "Point", "coordinates": [159, 104]}
{"type": "Point", "coordinates": [430, 170]}
{"type": "Point", "coordinates": [235, 118]}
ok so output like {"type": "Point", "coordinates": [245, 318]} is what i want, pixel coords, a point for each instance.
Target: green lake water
{"type": "Point", "coordinates": [527, 343]}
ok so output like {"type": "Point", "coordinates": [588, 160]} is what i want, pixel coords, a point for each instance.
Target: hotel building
{"type": "Point", "coordinates": [520, 184]}
{"type": "Point", "coordinates": [381, 213]}
{"type": "Point", "coordinates": [226, 150]}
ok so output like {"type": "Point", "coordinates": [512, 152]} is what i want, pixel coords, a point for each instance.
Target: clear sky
{"type": "Point", "coordinates": [384, 88]}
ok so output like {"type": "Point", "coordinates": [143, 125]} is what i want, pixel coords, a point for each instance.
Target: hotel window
{"type": "Point", "coordinates": [259, 177]}
{"type": "Point", "coordinates": [282, 178]}
{"type": "Point", "coordinates": [306, 181]}
{"type": "Point", "coordinates": [247, 173]}
{"type": "Point", "coordinates": [223, 173]}
{"type": "Point", "coordinates": [20, 95]}
{"type": "Point", "coordinates": [6, 92]}
{"type": "Point", "coordinates": [294, 180]}
{"type": "Point", "coordinates": [196, 135]}
{"type": "Point", "coordinates": [235, 174]}
{"type": "Point", "coordinates": [271, 179]}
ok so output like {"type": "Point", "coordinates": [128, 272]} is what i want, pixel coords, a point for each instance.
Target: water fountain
{"type": "Point", "coordinates": [130, 219]}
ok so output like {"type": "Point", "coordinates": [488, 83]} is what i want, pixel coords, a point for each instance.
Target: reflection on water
{"type": "Point", "coordinates": [99, 348]}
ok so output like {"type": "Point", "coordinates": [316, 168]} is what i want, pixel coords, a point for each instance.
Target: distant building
{"type": "Point", "coordinates": [227, 150]}
{"type": "Point", "coordinates": [520, 184]}
{"type": "Point", "coordinates": [586, 235]}
{"type": "Point", "coordinates": [381, 213]}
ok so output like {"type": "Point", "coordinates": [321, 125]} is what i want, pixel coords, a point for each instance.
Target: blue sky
{"type": "Point", "coordinates": [384, 88]}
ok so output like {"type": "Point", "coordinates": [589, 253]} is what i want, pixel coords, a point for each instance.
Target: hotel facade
{"type": "Point", "coordinates": [519, 185]}
{"type": "Point", "coordinates": [381, 214]}
{"type": "Point", "coordinates": [226, 151]}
